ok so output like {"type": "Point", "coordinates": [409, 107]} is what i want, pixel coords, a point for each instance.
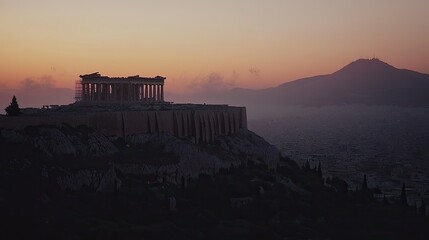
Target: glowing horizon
{"type": "Point", "coordinates": [245, 43]}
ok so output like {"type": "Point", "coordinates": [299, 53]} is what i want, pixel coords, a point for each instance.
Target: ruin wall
{"type": "Point", "coordinates": [202, 125]}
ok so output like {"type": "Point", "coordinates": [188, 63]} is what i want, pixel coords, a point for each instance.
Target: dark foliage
{"type": "Point", "coordinates": [13, 109]}
{"type": "Point", "coordinates": [340, 185]}
{"type": "Point", "coordinates": [229, 205]}
{"type": "Point", "coordinates": [364, 184]}
{"type": "Point", "coordinates": [403, 197]}
{"type": "Point", "coordinates": [422, 208]}
{"type": "Point", "coordinates": [319, 170]}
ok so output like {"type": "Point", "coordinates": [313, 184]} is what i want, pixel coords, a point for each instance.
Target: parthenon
{"type": "Point", "coordinates": [97, 88]}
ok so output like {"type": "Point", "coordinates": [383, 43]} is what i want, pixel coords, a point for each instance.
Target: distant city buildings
{"type": "Point", "coordinates": [389, 146]}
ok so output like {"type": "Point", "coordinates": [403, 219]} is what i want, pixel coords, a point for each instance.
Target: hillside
{"type": "Point", "coordinates": [369, 82]}
{"type": "Point", "coordinates": [76, 183]}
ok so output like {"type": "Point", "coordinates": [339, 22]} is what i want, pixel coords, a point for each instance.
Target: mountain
{"type": "Point", "coordinates": [365, 81]}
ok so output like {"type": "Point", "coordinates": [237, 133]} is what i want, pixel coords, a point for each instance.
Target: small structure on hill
{"type": "Point", "coordinates": [97, 88]}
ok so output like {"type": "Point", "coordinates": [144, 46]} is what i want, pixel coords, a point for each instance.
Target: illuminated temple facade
{"type": "Point", "coordinates": [97, 88]}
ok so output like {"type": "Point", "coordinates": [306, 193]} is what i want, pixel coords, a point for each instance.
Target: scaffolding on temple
{"type": "Point", "coordinates": [78, 90]}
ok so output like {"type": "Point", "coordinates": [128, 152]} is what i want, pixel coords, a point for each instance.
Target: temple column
{"type": "Point", "coordinates": [114, 92]}
{"type": "Point", "coordinates": [98, 92]}
{"type": "Point", "coordinates": [102, 92]}
{"type": "Point", "coordinates": [92, 92]}
{"type": "Point", "coordinates": [88, 91]}
{"type": "Point", "coordinates": [95, 92]}
{"type": "Point", "coordinates": [83, 92]}
{"type": "Point", "coordinates": [142, 92]}
{"type": "Point", "coordinates": [162, 93]}
{"type": "Point", "coordinates": [154, 93]}
{"type": "Point", "coordinates": [106, 92]}
{"type": "Point", "coordinates": [159, 93]}
{"type": "Point", "coordinates": [128, 89]}
{"type": "Point", "coordinates": [122, 92]}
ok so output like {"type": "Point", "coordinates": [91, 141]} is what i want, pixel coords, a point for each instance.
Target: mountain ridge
{"type": "Point", "coordinates": [364, 81]}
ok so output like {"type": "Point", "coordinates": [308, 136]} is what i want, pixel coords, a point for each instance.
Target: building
{"type": "Point", "coordinates": [97, 88]}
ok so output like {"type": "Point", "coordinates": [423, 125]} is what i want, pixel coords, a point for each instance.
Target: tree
{"type": "Point", "coordinates": [306, 166]}
{"type": "Point", "coordinates": [364, 184]}
{"type": "Point", "coordinates": [385, 199]}
{"type": "Point", "coordinates": [319, 170]}
{"type": "Point", "coordinates": [13, 109]}
{"type": "Point", "coordinates": [422, 209]}
{"type": "Point", "coordinates": [340, 185]}
{"type": "Point", "coordinates": [403, 198]}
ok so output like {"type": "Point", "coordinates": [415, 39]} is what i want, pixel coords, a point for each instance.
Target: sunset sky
{"type": "Point", "coordinates": [246, 43]}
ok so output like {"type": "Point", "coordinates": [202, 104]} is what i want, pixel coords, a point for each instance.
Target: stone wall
{"type": "Point", "coordinates": [202, 125]}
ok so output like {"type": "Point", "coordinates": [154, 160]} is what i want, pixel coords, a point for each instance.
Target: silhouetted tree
{"type": "Point", "coordinates": [13, 109]}
{"type": "Point", "coordinates": [306, 166]}
{"type": "Point", "coordinates": [403, 197]}
{"type": "Point", "coordinates": [340, 185]}
{"type": "Point", "coordinates": [183, 182]}
{"type": "Point", "coordinates": [385, 199]}
{"type": "Point", "coordinates": [115, 186]}
{"type": "Point", "coordinates": [319, 170]}
{"type": "Point", "coordinates": [364, 184]}
{"type": "Point", "coordinates": [422, 209]}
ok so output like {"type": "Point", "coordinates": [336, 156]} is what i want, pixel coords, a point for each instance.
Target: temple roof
{"type": "Point", "coordinates": [98, 77]}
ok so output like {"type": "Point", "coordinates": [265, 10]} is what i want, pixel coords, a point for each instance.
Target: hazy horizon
{"type": "Point", "coordinates": [250, 44]}
{"type": "Point", "coordinates": [200, 46]}
{"type": "Point", "coordinates": [36, 92]}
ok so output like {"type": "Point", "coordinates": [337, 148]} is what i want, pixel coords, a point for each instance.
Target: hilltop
{"type": "Point", "coordinates": [62, 182]}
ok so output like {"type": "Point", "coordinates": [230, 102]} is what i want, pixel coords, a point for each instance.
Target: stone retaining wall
{"type": "Point", "coordinates": [202, 125]}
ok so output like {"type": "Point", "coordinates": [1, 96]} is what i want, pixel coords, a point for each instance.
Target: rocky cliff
{"type": "Point", "coordinates": [64, 182]}
{"type": "Point", "coordinates": [85, 158]}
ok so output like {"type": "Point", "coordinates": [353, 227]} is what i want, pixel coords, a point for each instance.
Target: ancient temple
{"type": "Point", "coordinates": [97, 88]}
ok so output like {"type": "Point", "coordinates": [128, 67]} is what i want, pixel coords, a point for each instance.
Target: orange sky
{"type": "Point", "coordinates": [187, 41]}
